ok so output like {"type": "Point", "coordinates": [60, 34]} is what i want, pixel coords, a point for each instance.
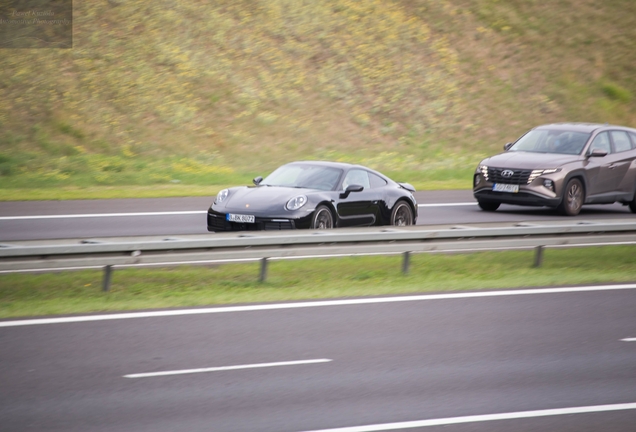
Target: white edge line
{"type": "Point", "coordinates": [167, 213]}
{"type": "Point", "coordinates": [629, 340]}
{"type": "Point", "coordinates": [448, 204]}
{"type": "Point", "coordinates": [483, 418]}
{"type": "Point", "coordinates": [311, 304]}
{"type": "Point", "coordinates": [90, 215]}
{"type": "Point", "coordinates": [226, 368]}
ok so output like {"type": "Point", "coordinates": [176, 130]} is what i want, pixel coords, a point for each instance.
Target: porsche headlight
{"type": "Point", "coordinates": [296, 202]}
{"type": "Point", "coordinates": [221, 196]}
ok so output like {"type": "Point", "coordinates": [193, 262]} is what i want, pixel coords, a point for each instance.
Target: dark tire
{"type": "Point", "coordinates": [632, 204]}
{"type": "Point", "coordinates": [402, 215]}
{"type": "Point", "coordinates": [322, 219]}
{"type": "Point", "coordinates": [573, 198]}
{"type": "Point", "coordinates": [488, 206]}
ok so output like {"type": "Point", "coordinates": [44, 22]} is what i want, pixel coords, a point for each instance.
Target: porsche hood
{"type": "Point", "coordinates": [260, 199]}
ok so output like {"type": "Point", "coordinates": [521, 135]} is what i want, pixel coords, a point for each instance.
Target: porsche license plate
{"type": "Point", "coordinates": [231, 217]}
{"type": "Point", "coordinates": [502, 187]}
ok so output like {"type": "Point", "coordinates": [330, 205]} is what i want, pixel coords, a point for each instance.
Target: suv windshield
{"type": "Point", "coordinates": [552, 141]}
{"type": "Point", "coordinates": [304, 176]}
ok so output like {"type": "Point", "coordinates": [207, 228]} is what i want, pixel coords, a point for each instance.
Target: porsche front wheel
{"type": "Point", "coordinates": [323, 219]}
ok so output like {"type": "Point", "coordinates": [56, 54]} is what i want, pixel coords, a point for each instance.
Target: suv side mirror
{"type": "Point", "coordinates": [257, 180]}
{"type": "Point", "coordinates": [597, 153]}
{"type": "Point", "coordinates": [351, 188]}
{"type": "Point", "coordinates": [507, 146]}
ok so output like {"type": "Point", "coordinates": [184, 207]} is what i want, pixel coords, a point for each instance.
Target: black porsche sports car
{"type": "Point", "coordinates": [316, 195]}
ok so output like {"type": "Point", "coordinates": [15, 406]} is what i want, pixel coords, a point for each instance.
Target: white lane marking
{"type": "Point", "coordinates": [448, 204]}
{"type": "Point", "coordinates": [97, 215]}
{"type": "Point", "coordinates": [483, 418]}
{"type": "Point", "coordinates": [226, 368]}
{"type": "Point", "coordinates": [311, 304]}
{"type": "Point", "coordinates": [166, 213]}
{"type": "Point", "coordinates": [629, 340]}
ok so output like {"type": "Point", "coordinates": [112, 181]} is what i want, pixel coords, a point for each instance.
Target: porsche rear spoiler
{"type": "Point", "coordinates": [407, 186]}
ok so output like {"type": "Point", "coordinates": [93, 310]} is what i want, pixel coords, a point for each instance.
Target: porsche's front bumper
{"type": "Point", "coordinates": [217, 221]}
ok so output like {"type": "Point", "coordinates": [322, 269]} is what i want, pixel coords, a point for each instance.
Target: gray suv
{"type": "Point", "coordinates": [564, 166]}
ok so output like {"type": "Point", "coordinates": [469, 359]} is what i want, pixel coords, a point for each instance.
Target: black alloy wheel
{"type": "Point", "coordinates": [488, 206]}
{"type": "Point", "coordinates": [402, 215]}
{"type": "Point", "coordinates": [573, 197]}
{"type": "Point", "coordinates": [323, 219]}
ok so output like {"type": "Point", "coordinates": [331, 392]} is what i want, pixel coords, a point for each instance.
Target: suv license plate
{"type": "Point", "coordinates": [240, 218]}
{"type": "Point", "coordinates": [502, 187]}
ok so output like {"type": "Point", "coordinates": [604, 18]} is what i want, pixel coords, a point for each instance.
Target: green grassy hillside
{"type": "Point", "coordinates": [180, 97]}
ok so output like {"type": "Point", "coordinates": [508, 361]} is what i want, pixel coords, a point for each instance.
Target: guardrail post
{"type": "Point", "coordinates": [406, 262]}
{"type": "Point", "coordinates": [108, 272]}
{"type": "Point", "coordinates": [263, 274]}
{"type": "Point", "coordinates": [538, 256]}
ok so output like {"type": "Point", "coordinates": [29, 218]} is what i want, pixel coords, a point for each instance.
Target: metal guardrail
{"type": "Point", "coordinates": [109, 253]}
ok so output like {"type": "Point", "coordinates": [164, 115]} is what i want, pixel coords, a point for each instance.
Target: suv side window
{"type": "Point", "coordinates": [376, 181]}
{"type": "Point", "coordinates": [621, 141]}
{"type": "Point", "coordinates": [601, 142]}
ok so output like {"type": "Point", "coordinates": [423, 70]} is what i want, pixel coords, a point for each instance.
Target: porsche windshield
{"type": "Point", "coordinates": [304, 176]}
{"type": "Point", "coordinates": [552, 141]}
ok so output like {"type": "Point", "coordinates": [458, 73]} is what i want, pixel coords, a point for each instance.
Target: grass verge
{"type": "Point", "coordinates": [24, 295]}
{"type": "Point", "coordinates": [200, 185]}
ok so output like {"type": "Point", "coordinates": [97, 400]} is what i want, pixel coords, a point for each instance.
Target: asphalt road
{"type": "Point", "coordinates": [421, 359]}
{"type": "Point", "coordinates": [40, 220]}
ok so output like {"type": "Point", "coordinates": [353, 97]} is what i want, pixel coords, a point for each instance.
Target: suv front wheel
{"type": "Point", "coordinates": [573, 197]}
{"type": "Point", "coordinates": [632, 203]}
{"type": "Point", "coordinates": [488, 206]}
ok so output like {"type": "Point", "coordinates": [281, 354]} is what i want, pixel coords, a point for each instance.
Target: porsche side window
{"type": "Point", "coordinates": [376, 181]}
{"type": "Point", "coordinates": [633, 137]}
{"type": "Point", "coordinates": [621, 141]}
{"type": "Point", "coordinates": [601, 142]}
{"type": "Point", "coordinates": [356, 177]}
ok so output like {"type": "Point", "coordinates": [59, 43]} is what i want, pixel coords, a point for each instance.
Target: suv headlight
{"type": "Point", "coordinates": [296, 202]}
{"type": "Point", "coordinates": [536, 173]}
{"type": "Point", "coordinates": [221, 196]}
{"type": "Point", "coordinates": [484, 171]}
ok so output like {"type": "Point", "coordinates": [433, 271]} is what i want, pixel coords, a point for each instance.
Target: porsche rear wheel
{"type": "Point", "coordinates": [323, 219]}
{"type": "Point", "coordinates": [402, 215]}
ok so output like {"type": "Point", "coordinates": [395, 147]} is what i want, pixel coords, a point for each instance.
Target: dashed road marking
{"type": "Point", "coordinates": [226, 368]}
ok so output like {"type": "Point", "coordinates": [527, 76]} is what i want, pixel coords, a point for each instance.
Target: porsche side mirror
{"type": "Point", "coordinates": [507, 146]}
{"type": "Point", "coordinates": [597, 153]}
{"type": "Point", "coordinates": [257, 180]}
{"type": "Point", "coordinates": [351, 188]}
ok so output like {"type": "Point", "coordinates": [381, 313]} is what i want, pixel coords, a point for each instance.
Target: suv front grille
{"type": "Point", "coordinates": [519, 177]}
